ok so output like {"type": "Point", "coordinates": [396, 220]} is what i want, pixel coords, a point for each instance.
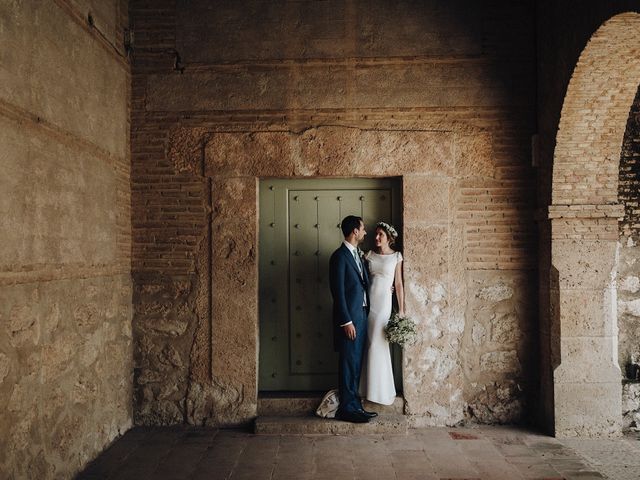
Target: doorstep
{"type": "Point", "coordinates": [304, 405]}
{"type": "Point", "coordinates": [310, 425]}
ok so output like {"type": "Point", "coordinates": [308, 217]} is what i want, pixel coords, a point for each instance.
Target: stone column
{"type": "Point", "coordinates": [434, 274]}
{"type": "Point", "coordinates": [584, 337]}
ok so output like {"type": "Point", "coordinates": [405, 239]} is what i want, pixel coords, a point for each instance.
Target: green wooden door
{"type": "Point", "coordinates": [299, 230]}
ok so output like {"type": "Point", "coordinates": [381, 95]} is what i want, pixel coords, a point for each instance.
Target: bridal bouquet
{"type": "Point", "coordinates": [401, 330]}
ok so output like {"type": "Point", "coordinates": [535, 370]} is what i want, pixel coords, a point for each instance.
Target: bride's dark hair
{"type": "Point", "coordinates": [389, 231]}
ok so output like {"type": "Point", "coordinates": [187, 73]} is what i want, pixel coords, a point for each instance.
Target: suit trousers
{"type": "Point", "coordinates": [351, 354]}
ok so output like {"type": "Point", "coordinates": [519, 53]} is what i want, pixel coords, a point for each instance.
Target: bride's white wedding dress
{"type": "Point", "coordinates": [376, 380]}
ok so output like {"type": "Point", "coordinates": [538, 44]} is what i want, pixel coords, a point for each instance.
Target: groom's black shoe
{"type": "Point", "coordinates": [353, 417]}
{"type": "Point", "coordinates": [368, 414]}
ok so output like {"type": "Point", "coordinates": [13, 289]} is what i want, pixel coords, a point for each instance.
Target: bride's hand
{"type": "Point", "coordinates": [401, 313]}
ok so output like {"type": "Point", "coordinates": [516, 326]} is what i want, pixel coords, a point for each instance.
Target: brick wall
{"type": "Point", "coordinates": [204, 70]}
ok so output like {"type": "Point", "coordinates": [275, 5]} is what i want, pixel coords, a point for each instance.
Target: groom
{"type": "Point", "coordinates": [349, 284]}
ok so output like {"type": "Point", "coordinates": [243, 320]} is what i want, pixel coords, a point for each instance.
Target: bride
{"type": "Point", "coordinates": [385, 270]}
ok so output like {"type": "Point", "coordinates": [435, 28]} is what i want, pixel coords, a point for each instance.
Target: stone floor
{"type": "Point", "coordinates": [425, 454]}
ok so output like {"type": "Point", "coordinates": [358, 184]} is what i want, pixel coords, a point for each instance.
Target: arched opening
{"type": "Point", "coordinates": [628, 285]}
{"type": "Point", "coordinates": [586, 381]}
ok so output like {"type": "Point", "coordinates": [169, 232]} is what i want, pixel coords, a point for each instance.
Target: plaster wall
{"type": "Point", "coordinates": [65, 284]}
{"type": "Point", "coordinates": [333, 89]}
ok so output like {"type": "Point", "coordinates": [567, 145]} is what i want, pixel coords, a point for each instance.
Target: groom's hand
{"type": "Point", "coordinates": [350, 331]}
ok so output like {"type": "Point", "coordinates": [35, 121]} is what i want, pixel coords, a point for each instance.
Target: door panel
{"type": "Point", "coordinates": [299, 230]}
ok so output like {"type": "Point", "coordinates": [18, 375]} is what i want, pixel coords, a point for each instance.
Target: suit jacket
{"type": "Point", "coordinates": [348, 289]}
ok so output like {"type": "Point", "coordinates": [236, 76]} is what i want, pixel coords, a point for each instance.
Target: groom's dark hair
{"type": "Point", "coordinates": [349, 224]}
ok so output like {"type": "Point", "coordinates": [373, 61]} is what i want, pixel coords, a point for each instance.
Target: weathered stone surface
{"type": "Point", "coordinates": [628, 299]}
{"type": "Point", "coordinates": [498, 402]}
{"type": "Point", "coordinates": [429, 198]}
{"type": "Point", "coordinates": [88, 100]}
{"type": "Point", "coordinates": [497, 346]}
{"type": "Point", "coordinates": [505, 328]}
{"type": "Point", "coordinates": [68, 381]}
{"type": "Point", "coordinates": [328, 151]}
{"type": "Point", "coordinates": [631, 307]}
{"type": "Point", "coordinates": [631, 406]}
{"type": "Point", "coordinates": [474, 154]}
{"type": "Point", "coordinates": [629, 284]}
{"type": "Point", "coordinates": [582, 313]}
{"type": "Point", "coordinates": [478, 334]}
{"type": "Point", "coordinates": [588, 409]}
{"type": "Point", "coordinates": [65, 286]}
{"type": "Point", "coordinates": [495, 293]}
{"type": "Point", "coordinates": [4, 367]}
{"type": "Point", "coordinates": [310, 425]}
{"type": "Point", "coordinates": [500, 362]}
{"type": "Point", "coordinates": [584, 264]}
{"type": "Point", "coordinates": [235, 272]}
{"type": "Point", "coordinates": [220, 404]}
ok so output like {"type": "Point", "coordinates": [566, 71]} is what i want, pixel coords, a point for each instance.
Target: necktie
{"type": "Point", "coordinates": [357, 259]}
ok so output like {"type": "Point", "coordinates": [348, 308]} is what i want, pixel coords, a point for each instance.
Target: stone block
{"type": "Point", "coordinates": [506, 328]}
{"type": "Point", "coordinates": [474, 155]}
{"type": "Point", "coordinates": [327, 151]}
{"type": "Point", "coordinates": [500, 402]}
{"type": "Point", "coordinates": [585, 313]}
{"type": "Point", "coordinates": [590, 359]}
{"type": "Point", "coordinates": [584, 264]}
{"type": "Point", "coordinates": [427, 199]}
{"type": "Point", "coordinates": [426, 250]}
{"type": "Point", "coordinates": [500, 362]}
{"type": "Point", "coordinates": [588, 409]}
{"type": "Point", "coordinates": [256, 154]}
{"type": "Point", "coordinates": [235, 298]}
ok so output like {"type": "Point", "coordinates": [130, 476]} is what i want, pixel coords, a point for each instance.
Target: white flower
{"type": "Point", "coordinates": [401, 330]}
{"type": "Point", "coordinates": [389, 228]}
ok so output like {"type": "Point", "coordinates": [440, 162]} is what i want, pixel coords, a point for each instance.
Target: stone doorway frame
{"type": "Point", "coordinates": [425, 161]}
{"type": "Point", "coordinates": [584, 214]}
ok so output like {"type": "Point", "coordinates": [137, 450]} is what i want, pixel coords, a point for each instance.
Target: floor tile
{"type": "Point", "coordinates": [486, 453]}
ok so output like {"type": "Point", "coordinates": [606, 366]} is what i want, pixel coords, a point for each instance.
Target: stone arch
{"type": "Point", "coordinates": [584, 231]}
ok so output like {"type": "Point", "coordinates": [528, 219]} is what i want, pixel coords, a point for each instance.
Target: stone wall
{"type": "Point", "coordinates": [442, 96]}
{"type": "Point", "coordinates": [65, 285]}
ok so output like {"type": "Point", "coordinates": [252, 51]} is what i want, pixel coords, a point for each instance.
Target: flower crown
{"type": "Point", "coordinates": [389, 228]}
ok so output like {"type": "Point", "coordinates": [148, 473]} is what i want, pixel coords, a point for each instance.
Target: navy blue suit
{"type": "Point", "coordinates": [348, 290]}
